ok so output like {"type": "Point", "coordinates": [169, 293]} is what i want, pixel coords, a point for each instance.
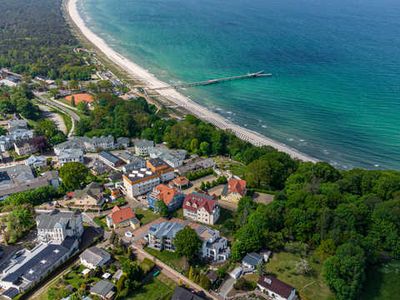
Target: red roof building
{"type": "Point", "coordinates": [234, 190]}
{"type": "Point", "coordinates": [201, 207]}
{"type": "Point", "coordinates": [122, 217]}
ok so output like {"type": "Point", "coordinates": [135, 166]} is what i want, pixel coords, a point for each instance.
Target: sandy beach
{"type": "Point", "coordinates": [150, 81]}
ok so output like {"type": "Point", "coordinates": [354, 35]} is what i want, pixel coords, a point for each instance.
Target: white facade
{"type": "Point", "coordinates": [56, 226]}
{"type": "Point", "coordinates": [137, 186]}
{"type": "Point", "coordinates": [214, 246]}
{"type": "Point", "coordinates": [70, 155]}
{"type": "Point", "coordinates": [202, 215]}
{"type": "Point", "coordinates": [142, 147]}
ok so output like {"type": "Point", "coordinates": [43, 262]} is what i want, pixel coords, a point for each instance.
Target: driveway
{"type": "Point", "coordinates": [226, 287]}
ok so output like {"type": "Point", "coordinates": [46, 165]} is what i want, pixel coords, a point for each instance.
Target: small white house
{"type": "Point", "coordinates": [94, 257]}
{"type": "Point", "coordinates": [275, 288]}
{"type": "Point", "coordinates": [236, 273]}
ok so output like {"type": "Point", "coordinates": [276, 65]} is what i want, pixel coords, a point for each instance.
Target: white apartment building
{"type": "Point", "coordinates": [139, 182]}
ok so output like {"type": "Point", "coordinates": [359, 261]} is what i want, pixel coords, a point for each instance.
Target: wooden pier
{"type": "Point", "coordinates": [213, 81]}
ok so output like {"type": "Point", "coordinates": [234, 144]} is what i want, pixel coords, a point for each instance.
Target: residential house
{"type": "Point", "coordinates": [122, 217]}
{"type": "Point", "coordinates": [139, 182]}
{"type": "Point", "coordinates": [180, 293]}
{"type": "Point", "coordinates": [201, 207]}
{"type": "Point", "coordinates": [174, 158]}
{"type": "Point", "coordinates": [133, 162]}
{"type": "Point", "coordinates": [95, 144]}
{"type": "Point", "coordinates": [234, 190]}
{"type": "Point", "coordinates": [17, 135]}
{"type": "Point", "coordinates": [275, 288]}
{"type": "Point", "coordinates": [17, 124]}
{"type": "Point", "coordinates": [142, 147]}
{"type": "Point", "coordinates": [196, 164]}
{"type": "Point", "coordinates": [99, 167]}
{"type": "Point", "coordinates": [251, 262]}
{"type": "Point", "coordinates": [94, 257]}
{"type": "Point", "coordinates": [103, 289]}
{"type": "Point", "coordinates": [172, 198]}
{"type": "Point", "coordinates": [110, 159]}
{"type": "Point", "coordinates": [91, 197]}
{"type": "Point", "coordinates": [36, 161]}
{"type": "Point", "coordinates": [161, 168]}
{"type": "Point", "coordinates": [180, 183]}
{"type": "Point", "coordinates": [25, 147]}
{"type": "Point", "coordinates": [70, 155]}
{"type": "Point", "coordinates": [56, 226]}
{"type": "Point", "coordinates": [19, 178]}
{"type": "Point", "coordinates": [214, 247]}
{"type": "Point", "coordinates": [123, 142]}
{"type": "Point", "coordinates": [161, 236]}
{"type": "Point", "coordinates": [71, 145]}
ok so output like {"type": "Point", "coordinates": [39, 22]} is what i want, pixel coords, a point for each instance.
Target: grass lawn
{"type": "Point", "coordinates": [170, 258]}
{"type": "Point", "coordinates": [101, 221]}
{"type": "Point", "coordinates": [159, 288]}
{"type": "Point", "coordinates": [146, 216]}
{"type": "Point", "coordinates": [310, 287]}
{"type": "Point", "coordinates": [382, 282]}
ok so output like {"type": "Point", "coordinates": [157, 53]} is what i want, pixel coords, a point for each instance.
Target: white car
{"type": "Point", "coordinates": [128, 234]}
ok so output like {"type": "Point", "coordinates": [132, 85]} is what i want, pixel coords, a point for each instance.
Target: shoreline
{"type": "Point", "coordinates": [150, 81]}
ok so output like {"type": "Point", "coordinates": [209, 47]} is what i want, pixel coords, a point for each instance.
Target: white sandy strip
{"type": "Point", "coordinates": [174, 96]}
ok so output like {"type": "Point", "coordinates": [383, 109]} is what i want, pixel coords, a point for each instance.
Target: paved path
{"type": "Point", "coordinates": [60, 106]}
{"type": "Point", "coordinates": [172, 274]}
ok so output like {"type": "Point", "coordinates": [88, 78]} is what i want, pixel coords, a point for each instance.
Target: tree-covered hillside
{"type": "Point", "coordinates": [35, 39]}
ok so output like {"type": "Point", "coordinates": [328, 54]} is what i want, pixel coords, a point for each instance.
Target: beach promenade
{"type": "Point", "coordinates": [151, 82]}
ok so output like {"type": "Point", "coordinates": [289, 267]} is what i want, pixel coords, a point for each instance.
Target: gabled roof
{"type": "Point", "coordinates": [102, 288]}
{"type": "Point", "coordinates": [95, 256]}
{"type": "Point", "coordinates": [237, 186]}
{"type": "Point", "coordinates": [119, 215]}
{"type": "Point", "coordinates": [195, 201]}
{"type": "Point", "coordinates": [275, 285]}
{"type": "Point", "coordinates": [252, 259]}
{"type": "Point", "coordinates": [165, 193]}
{"type": "Point", "coordinates": [181, 293]}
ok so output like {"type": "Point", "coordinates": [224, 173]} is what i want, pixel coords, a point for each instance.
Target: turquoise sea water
{"type": "Point", "coordinates": [335, 93]}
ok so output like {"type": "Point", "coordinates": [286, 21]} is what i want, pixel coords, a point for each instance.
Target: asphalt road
{"type": "Point", "coordinates": [62, 107]}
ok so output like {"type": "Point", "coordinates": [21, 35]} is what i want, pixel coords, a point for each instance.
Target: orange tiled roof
{"type": "Point", "coordinates": [166, 194]}
{"type": "Point", "coordinates": [119, 215]}
{"type": "Point", "coordinates": [237, 186]}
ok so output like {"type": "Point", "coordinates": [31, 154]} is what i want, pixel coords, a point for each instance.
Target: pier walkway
{"type": "Point", "coordinates": [213, 81]}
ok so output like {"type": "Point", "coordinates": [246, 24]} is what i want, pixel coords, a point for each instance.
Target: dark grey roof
{"type": "Point", "coordinates": [93, 189]}
{"type": "Point", "coordinates": [36, 266]}
{"type": "Point", "coordinates": [253, 259]}
{"type": "Point", "coordinates": [156, 162]}
{"type": "Point", "coordinates": [109, 157]}
{"type": "Point", "coordinates": [166, 229]}
{"type": "Point", "coordinates": [144, 143]}
{"type": "Point", "coordinates": [95, 255]}
{"type": "Point", "coordinates": [181, 293]}
{"type": "Point", "coordinates": [10, 293]}
{"type": "Point", "coordinates": [49, 220]}
{"type": "Point", "coordinates": [102, 288]}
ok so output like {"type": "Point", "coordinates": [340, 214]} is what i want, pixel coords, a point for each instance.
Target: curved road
{"type": "Point", "coordinates": [62, 107]}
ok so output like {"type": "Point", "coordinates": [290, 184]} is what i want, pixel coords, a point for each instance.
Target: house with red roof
{"type": "Point", "coordinates": [201, 207]}
{"type": "Point", "coordinates": [234, 190]}
{"type": "Point", "coordinates": [170, 196]}
{"type": "Point", "coordinates": [275, 288]}
{"type": "Point", "coordinates": [122, 217]}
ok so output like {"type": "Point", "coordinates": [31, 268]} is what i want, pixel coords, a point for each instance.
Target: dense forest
{"type": "Point", "coordinates": [347, 220]}
{"type": "Point", "coordinates": [35, 40]}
